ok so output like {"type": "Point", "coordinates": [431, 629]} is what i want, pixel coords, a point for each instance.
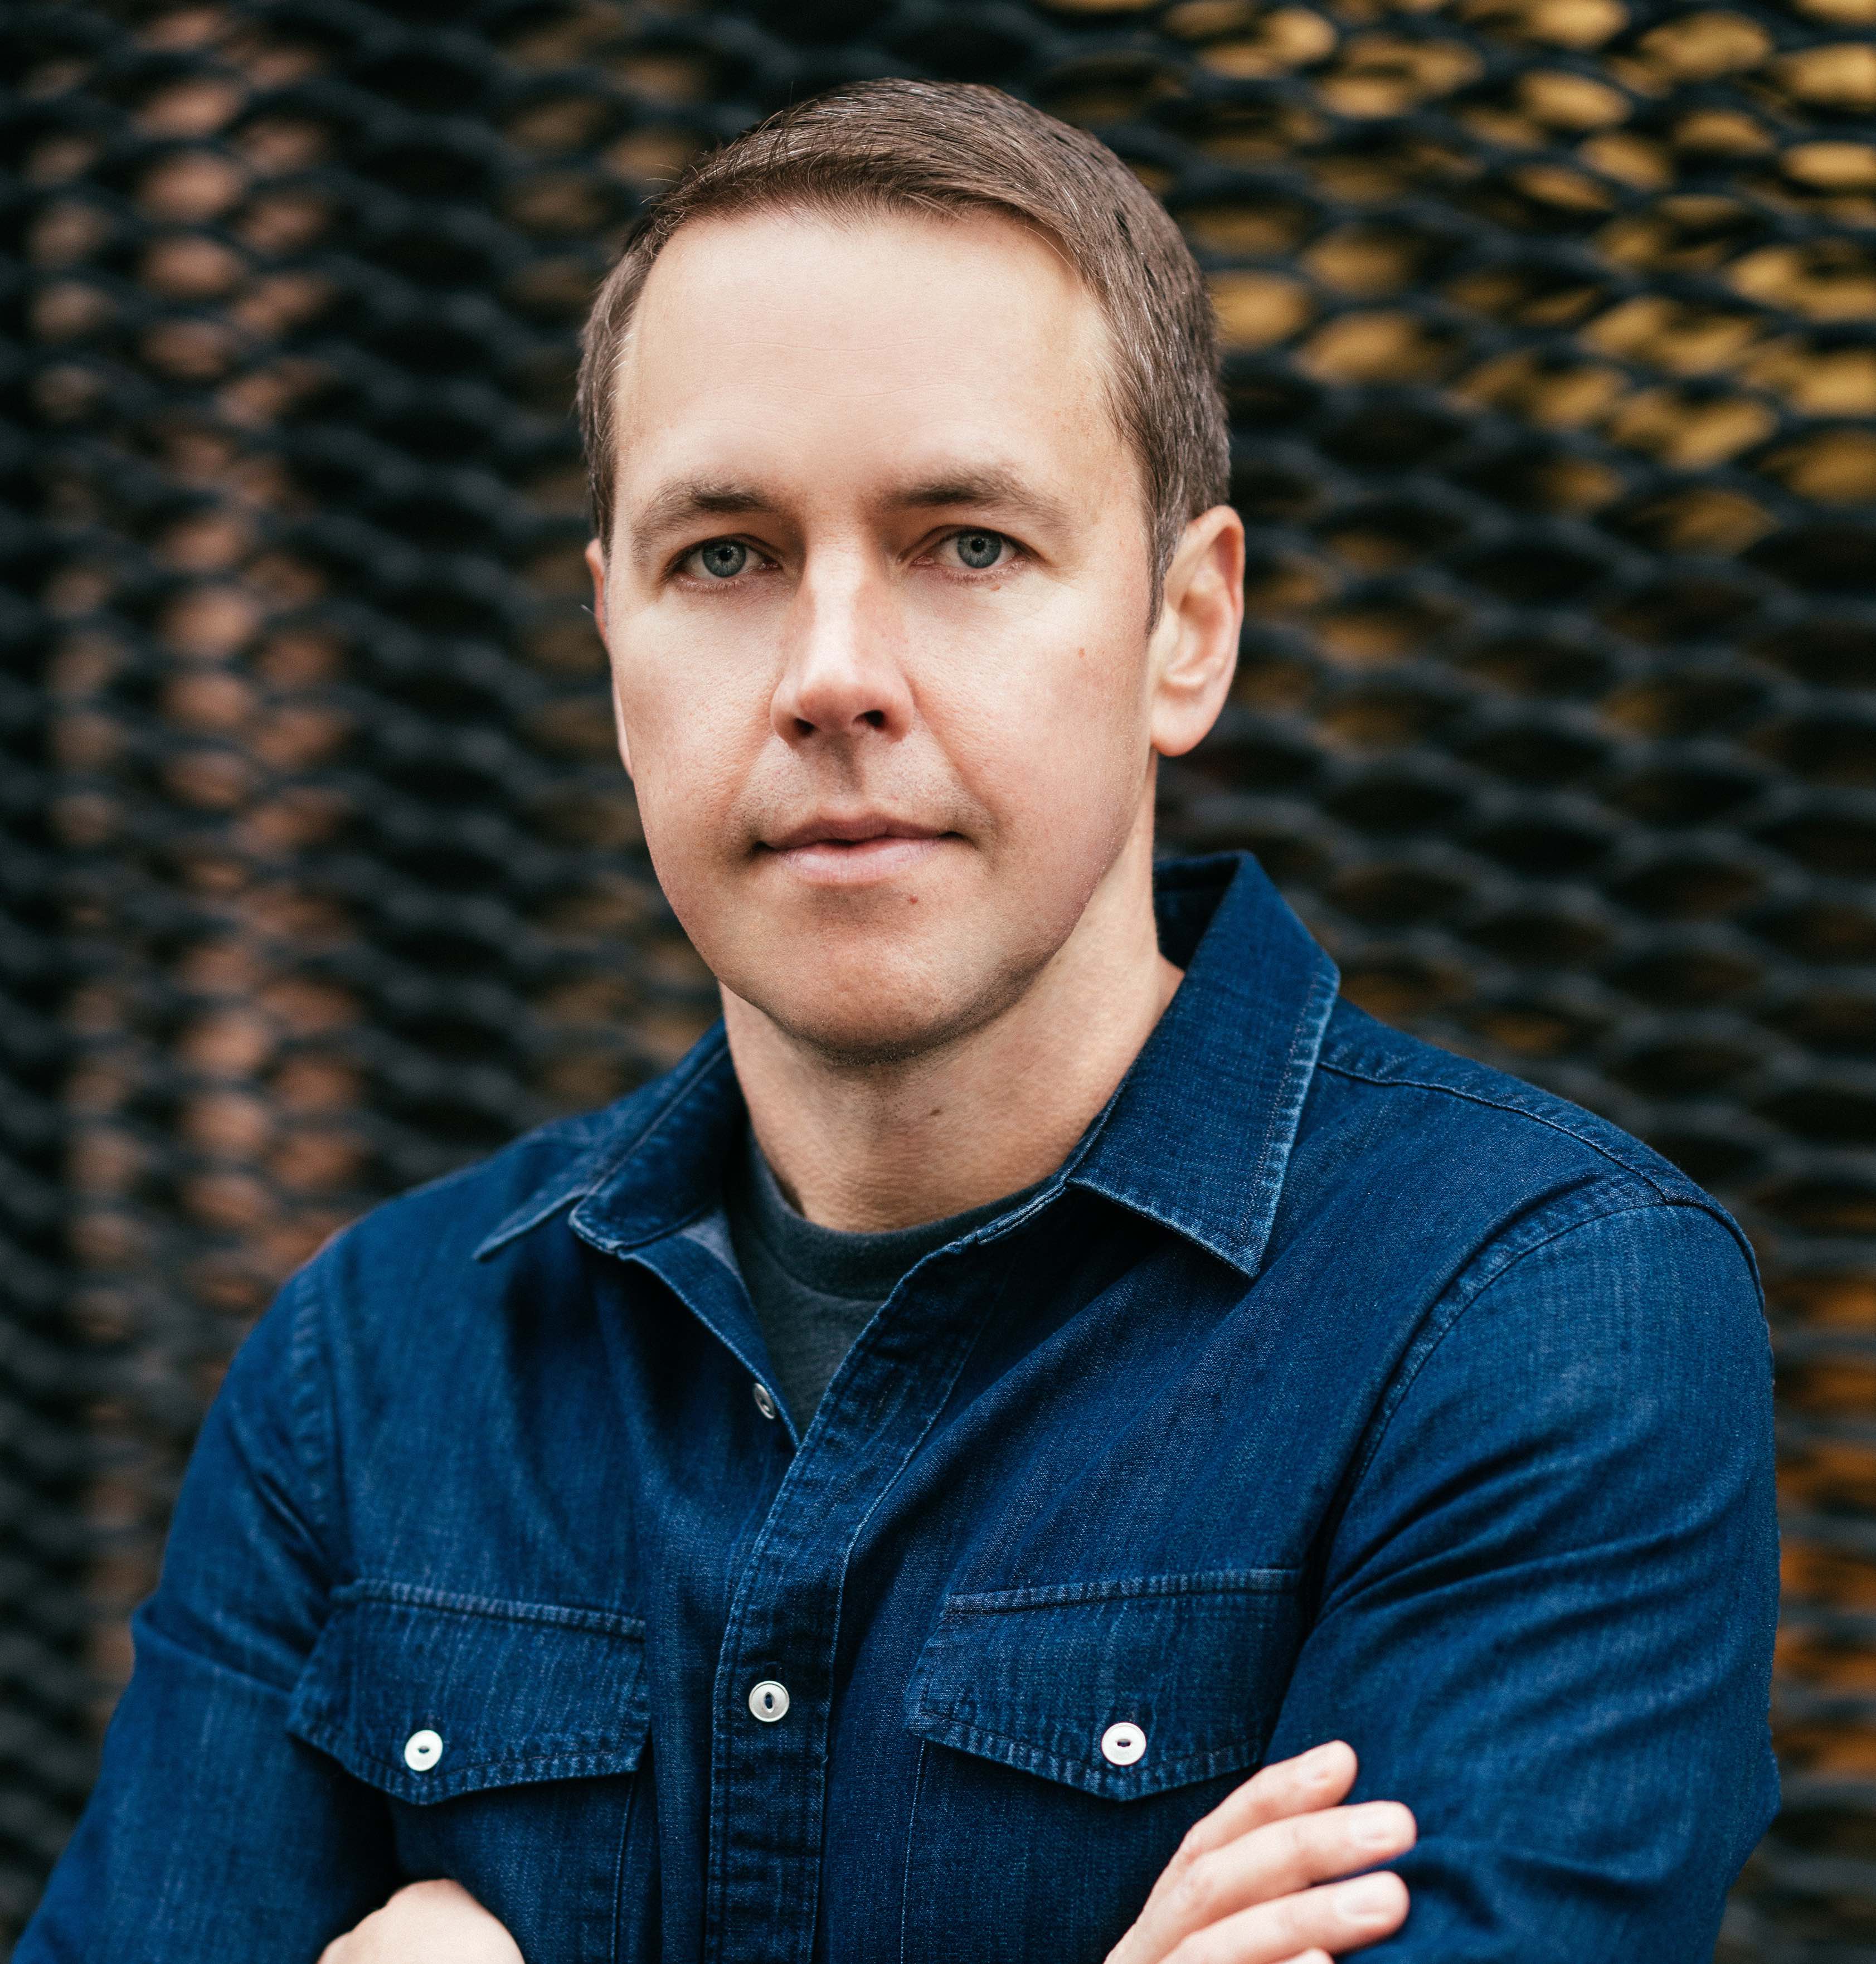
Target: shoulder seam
{"type": "Point", "coordinates": [1667, 1196]}
{"type": "Point", "coordinates": [307, 1351]}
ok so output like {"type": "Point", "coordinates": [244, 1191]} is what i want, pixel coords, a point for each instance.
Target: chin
{"type": "Point", "coordinates": [874, 1012]}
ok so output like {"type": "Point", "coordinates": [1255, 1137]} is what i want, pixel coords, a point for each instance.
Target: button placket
{"type": "Point", "coordinates": [764, 1885]}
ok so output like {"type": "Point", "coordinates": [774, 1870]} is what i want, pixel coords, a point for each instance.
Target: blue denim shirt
{"type": "Point", "coordinates": [1333, 1387]}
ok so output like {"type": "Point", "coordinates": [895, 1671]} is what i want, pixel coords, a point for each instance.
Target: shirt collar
{"type": "Point", "coordinates": [1196, 1137]}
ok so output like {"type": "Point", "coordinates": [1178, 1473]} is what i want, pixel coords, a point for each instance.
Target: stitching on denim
{"type": "Point", "coordinates": [911, 1841]}
{"type": "Point", "coordinates": [1373, 1077]}
{"type": "Point", "coordinates": [1197, 1582]}
{"type": "Point", "coordinates": [1079, 1773]}
{"type": "Point", "coordinates": [687, 1083]}
{"type": "Point", "coordinates": [1265, 1184]}
{"type": "Point", "coordinates": [716, 1882]}
{"type": "Point", "coordinates": [576, 1748]}
{"type": "Point", "coordinates": [683, 1083]}
{"type": "Point", "coordinates": [305, 1354]}
{"type": "Point", "coordinates": [583, 1758]}
{"type": "Point", "coordinates": [589, 1621]}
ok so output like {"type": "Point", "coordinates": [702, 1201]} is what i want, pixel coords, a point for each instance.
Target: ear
{"type": "Point", "coordinates": [1193, 648]}
{"type": "Point", "coordinates": [596, 566]}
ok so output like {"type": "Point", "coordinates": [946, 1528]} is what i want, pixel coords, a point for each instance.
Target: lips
{"type": "Point", "coordinates": [835, 829]}
{"type": "Point", "coordinates": [855, 851]}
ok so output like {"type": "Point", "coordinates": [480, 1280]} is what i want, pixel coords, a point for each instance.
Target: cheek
{"type": "Point", "coordinates": [1054, 738]}
{"type": "Point", "coordinates": [691, 735]}
{"type": "Point", "coordinates": [686, 788]}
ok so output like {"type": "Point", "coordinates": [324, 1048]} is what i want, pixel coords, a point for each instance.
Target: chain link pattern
{"type": "Point", "coordinates": [1552, 358]}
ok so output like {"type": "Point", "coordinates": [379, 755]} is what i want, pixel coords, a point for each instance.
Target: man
{"type": "Point", "coordinates": [880, 1490]}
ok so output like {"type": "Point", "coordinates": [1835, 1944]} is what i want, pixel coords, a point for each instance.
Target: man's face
{"type": "Point", "coordinates": [876, 601]}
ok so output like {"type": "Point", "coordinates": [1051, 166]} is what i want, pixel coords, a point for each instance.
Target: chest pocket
{"type": "Point", "coordinates": [1080, 1731]}
{"type": "Point", "coordinates": [507, 1737]}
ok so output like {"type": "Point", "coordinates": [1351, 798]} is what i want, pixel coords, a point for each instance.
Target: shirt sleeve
{"type": "Point", "coordinates": [1547, 1612]}
{"type": "Point", "coordinates": [211, 1833]}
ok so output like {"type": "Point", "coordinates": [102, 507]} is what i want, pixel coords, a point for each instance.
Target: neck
{"type": "Point", "coordinates": [874, 1146]}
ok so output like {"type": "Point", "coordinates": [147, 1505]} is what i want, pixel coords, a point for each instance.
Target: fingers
{"type": "Point", "coordinates": [1343, 1917]}
{"type": "Point", "coordinates": [1264, 1848]}
{"type": "Point", "coordinates": [1287, 1856]}
{"type": "Point", "coordinates": [1317, 1778]}
{"type": "Point", "coordinates": [1277, 1860]}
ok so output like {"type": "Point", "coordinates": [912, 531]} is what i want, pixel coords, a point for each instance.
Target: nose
{"type": "Point", "coordinates": [842, 679]}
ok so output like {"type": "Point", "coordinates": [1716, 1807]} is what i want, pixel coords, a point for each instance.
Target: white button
{"type": "Point", "coordinates": [769, 1701]}
{"type": "Point", "coordinates": [765, 1405]}
{"type": "Point", "coordinates": [1122, 1744]}
{"type": "Point", "coordinates": [421, 1751]}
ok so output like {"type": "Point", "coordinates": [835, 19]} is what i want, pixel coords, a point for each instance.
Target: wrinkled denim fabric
{"type": "Point", "coordinates": [1334, 1387]}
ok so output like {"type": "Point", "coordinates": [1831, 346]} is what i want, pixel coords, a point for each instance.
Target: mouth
{"type": "Point", "coordinates": [845, 849]}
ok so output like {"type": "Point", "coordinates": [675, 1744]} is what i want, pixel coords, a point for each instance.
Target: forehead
{"type": "Point", "coordinates": [797, 341]}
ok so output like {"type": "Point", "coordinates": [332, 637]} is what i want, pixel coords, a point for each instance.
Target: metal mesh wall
{"type": "Point", "coordinates": [1553, 362]}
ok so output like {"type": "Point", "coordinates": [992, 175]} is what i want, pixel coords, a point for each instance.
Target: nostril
{"type": "Point", "coordinates": [874, 719]}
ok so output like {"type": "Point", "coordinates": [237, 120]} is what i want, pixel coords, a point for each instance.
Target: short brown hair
{"type": "Point", "coordinates": [941, 148]}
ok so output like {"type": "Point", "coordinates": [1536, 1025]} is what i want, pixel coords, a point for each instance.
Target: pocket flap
{"type": "Point", "coordinates": [1121, 1689]}
{"type": "Point", "coordinates": [427, 1695]}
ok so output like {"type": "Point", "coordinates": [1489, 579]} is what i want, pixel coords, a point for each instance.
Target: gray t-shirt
{"type": "Point", "coordinates": [815, 1288]}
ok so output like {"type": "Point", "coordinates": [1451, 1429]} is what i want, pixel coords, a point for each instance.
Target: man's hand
{"type": "Point", "coordinates": [1239, 1890]}
{"type": "Point", "coordinates": [425, 1923]}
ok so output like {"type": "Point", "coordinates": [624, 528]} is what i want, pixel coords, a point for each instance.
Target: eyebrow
{"type": "Point", "coordinates": [994, 485]}
{"type": "Point", "coordinates": [687, 498]}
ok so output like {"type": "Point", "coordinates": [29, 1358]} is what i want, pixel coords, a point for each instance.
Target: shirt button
{"type": "Point", "coordinates": [1122, 1744]}
{"type": "Point", "coordinates": [769, 1701]}
{"type": "Point", "coordinates": [421, 1751]}
{"type": "Point", "coordinates": [766, 1405]}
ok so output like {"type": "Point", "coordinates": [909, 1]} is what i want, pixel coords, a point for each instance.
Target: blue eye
{"type": "Point", "coordinates": [723, 559]}
{"type": "Point", "coordinates": [979, 550]}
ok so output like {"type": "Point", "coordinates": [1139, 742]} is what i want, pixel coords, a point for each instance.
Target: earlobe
{"type": "Point", "coordinates": [1195, 647]}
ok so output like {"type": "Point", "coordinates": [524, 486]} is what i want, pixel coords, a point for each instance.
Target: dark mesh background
{"type": "Point", "coordinates": [1553, 334]}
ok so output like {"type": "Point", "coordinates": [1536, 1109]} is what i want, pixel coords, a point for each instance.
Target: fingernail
{"type": "Point", "coordinates": [1379, 1828]}
{"type": "Point", "coordinates": [1318, 1761]}
{"type": "Point", "coordinates": [1369, 1899]}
